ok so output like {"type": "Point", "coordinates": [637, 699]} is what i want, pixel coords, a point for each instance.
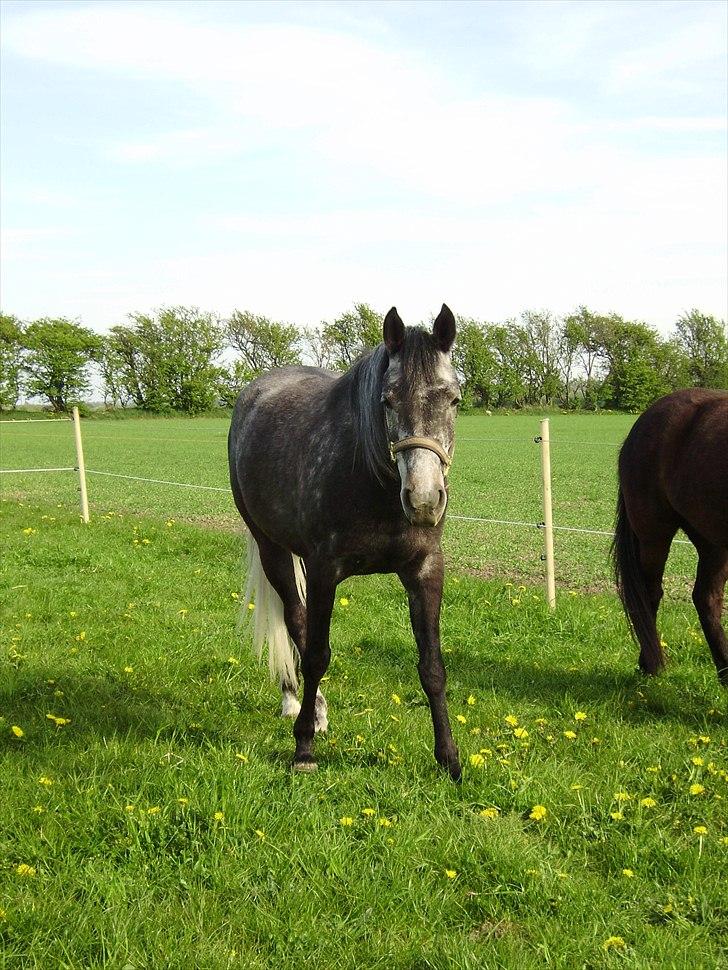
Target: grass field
{"type": "Point", "coordinates": [149, 817]}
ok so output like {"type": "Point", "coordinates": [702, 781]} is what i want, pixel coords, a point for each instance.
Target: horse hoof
{"type": "Point", "coordinates": [305, 767]}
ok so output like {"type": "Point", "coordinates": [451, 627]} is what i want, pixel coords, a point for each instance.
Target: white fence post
{"type": "Point", "coordinates": [548, 518]}
{"type": "Point", "coordinates": [80, 464]}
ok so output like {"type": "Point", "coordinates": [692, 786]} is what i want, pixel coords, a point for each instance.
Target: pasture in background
{"type": "Point", "coordinates": [496, 474]}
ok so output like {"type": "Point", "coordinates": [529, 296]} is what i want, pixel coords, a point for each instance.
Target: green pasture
{"type": "Point", "coordinates": [148, 814]}
{"type": "Point", "coordinates": [496, 474]}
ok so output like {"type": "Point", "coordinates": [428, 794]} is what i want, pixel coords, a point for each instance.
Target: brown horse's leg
{"type": "Point", "coordinates": [423, 581]}
{"type": "Point", "coordinates": [314, 661]}
{"type": "Point", "coordinates": [708, 595]}
{"type": "Point", "coordinates": [653, 555]}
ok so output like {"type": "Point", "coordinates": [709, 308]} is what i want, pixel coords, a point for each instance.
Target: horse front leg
{"type": "Point", "coordinates": [321, 588]}
{"type": "Point", "coordinates": [423, 581]}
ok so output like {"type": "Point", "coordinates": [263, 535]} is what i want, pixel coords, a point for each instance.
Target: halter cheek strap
{"type": "Point", "coordinates": [405, 444]}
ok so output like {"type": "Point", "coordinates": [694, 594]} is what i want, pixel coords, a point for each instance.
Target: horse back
{"type": "Point", "coordinates": [673, 467]}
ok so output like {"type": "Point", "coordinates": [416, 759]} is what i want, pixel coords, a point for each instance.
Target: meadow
{"type": "Point", "coordinates": [149, 817]}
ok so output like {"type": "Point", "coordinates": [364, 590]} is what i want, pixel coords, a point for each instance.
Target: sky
{"type": "Point", "coordinates": [294, 158]}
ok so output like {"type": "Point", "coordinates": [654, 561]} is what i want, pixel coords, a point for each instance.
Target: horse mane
{"type": "Point", "coordinates": [417, 359]}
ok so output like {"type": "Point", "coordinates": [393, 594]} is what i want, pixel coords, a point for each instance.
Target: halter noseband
{"type": "Point", "coordinates": [429, 443]}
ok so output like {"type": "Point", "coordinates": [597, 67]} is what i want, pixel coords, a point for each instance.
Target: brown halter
{"type": "Point", "coordinates": [429, 443]}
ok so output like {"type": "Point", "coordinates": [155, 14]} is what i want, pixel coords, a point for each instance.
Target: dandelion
{"type": "Point", "coordinates": [451, 874]}
{"type": "Point", "coordinates": [580, 716]}
{"type": "Point", "coordinates": [462, 719]}
{"type": "Point", "coordinates": [570, 735]}
{"type": "Point", "coordinates": [58, 721]}
{"type": "Point", "coordinates": [614, 943]}
{"type": "Point", "coordinates": [29, 532]}
{"type": "Point", "coordinates": [704, 738]}
{"type": "Point", "coordinates": [343, 601]}
{"type": "Point", "coordinates": [475, 731]}
{"type": "Point", "coordinates": [653, 769]}
{"type": "Point", "coordinates": [396, 699]}
{"type": "Point", "coordinates": [368, 812]}
{"type": "Point", "coordinates": [130, 808]}
{"type": "Point", "coordinates": [491, 812]}
{"type": "Point", "coordinates": [511, 719]}
{"type": "Point", "coordinates": [38, 809]}
{"type": "Point", "coordinates": [128, 670]}
{"type": "Point", "coordinates": [17, 731]}
{"type": "Point", "coordinates": [477, 760]}
{"type": "Point", "coordinates": [616, 816]}
{"type": "Point", "coordinates": [576, 787]}
{"type": "Point", "coordinates": [146, 542]}
{"type": "Point", "coordinates": [538, 813]}
{"type": "Point", "coordinates": [385, 823]}
{"type": "Point", "coordinates": [44, 780]}
{"type": "Point", "coordinates": [470, 701]}
{"type": "Point", "coordinates": [219, 816]}
{"type": "Point", "coordinates": [251, 607]}
{"type": "Point", "coordinates": [647, 802]}
{"type": "Point", "coordinates": [25, 870]}
{"type": "Point", "coordinates": [154, 810]}
{"type": "Point", "coordinates": [700, 830]}
{"type": "Point", "coordinates": [697, 761]}
{"type": "Point", "coordinates": [622, 796]}
{"type": "Point", "coordinates": [183, 801]}
{"type": "Point", "coordinates": [233, 661]}
{"type": "Point", "coordinates": [261, 834]}
{"type": "Point", "coordinates": [696, 789]}
{"type": "Point", "coordinates": [520, 733]}
{"type": "Point", "coordinates": [346, 821]}
{"type": "Point", "coordinates": [628, 873]}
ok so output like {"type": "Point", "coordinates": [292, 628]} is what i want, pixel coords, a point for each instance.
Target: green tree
{"type": "Point", "coordinates": [641, 365]}
{"type": "Point", "coordinates": [57, 360]}
{"type": "Point", "coordinates": [475, 362]}
{"type": "Point", "coordinates": [262, 343]}
{"type": "Point", "coordinates": [11, 361]}
{"type": "Point", "coordinates": [166, 361]}
{"type": "Point", "coordinates": [704, 341]}
{"type": "Point", "coordinates": [350, 334]}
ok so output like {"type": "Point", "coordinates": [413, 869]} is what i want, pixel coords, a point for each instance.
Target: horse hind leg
{"type": "Point", "coordinates": [708, 594]}
{"type": "Point", "coordinates": [277, 580]}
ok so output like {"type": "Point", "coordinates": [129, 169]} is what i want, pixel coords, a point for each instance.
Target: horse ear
{"type": "Point", "coordinates": [393, 331]}
{"type": "Point", "coordinates": [443, 329]}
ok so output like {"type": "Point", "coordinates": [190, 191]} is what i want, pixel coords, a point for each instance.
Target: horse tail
{"type": "Point", "coordinates": [632, 587]}
{"type": "Point", "coordinates": [264, 610]}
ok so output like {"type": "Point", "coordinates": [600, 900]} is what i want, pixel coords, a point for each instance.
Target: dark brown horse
{"type": "Point", "coordinates": [673, 474]}
{"type": "Point", "coordinates": [339, 475]}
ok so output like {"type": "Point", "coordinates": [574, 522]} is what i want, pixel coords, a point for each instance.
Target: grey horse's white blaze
{"type": "Point", "coordinates": [431, 414]}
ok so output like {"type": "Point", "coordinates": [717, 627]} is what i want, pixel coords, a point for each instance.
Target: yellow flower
{"type": "Point", "coordinates": [346, 820]}
{"type": "Point", "coordinates": [697, 761]}
{"type": "Point", "coordinates": [700, 830]}
{"type": "Point", "coordinates": [146, 542]}
{"type": "Point", "coordinates": [538, 813]}
{"type": "Point", "coordinates": [154, 810]}
{"type": "Point", "coordinates": [128, 670]}
{"type": "Point", "coordinates": [628, 873]}
{"type": "Point", "coordinates": [72, 613]}
{"type": "Point", "coordinates": [219, 816]}
{"type": "Point", "coordinates": [396, 699]}
{"type": "Point", "coordinates": [385, 823]}
{"type": "Point", "coordinates": [251, 606]}
{"type": "Point", "coordinates": [617, 816]}
{"type": "Point", "coordinates": [614, 943]}
{"type": "Point", "coordinates": [25, 870]}
{"type": "Point", "coordinates": [489, 812]}
{"type": "Point", "coordinates": [130, 808]}
{"type": "Point", "coordinates": [511, 719]}
{"type": "Point", "coordinates": [38, 809]}
{"type": "Point", "coordinates": [648, 802]}
{"type": "Point", "coordinates": [622, 796]}
{"type": "Point", "coordinates": [344, 601]}
{"type": "Point", "coordinates": [461, 719]}
{"type": "Point", "coordinates": [44, 780]}
{"type": "Point", "coordinates": [241, 757]}
{"type": "Point", "coordinates": [470, 701]}
{"type": "Point", "coordinates": [580, 716]}
{"type": "Point", "coordinates": [233, 661]}
{"type": "Point", "coordinates": [576, 787]}
{"type": "Point", "coordinates": [261, 834]}
{"type": "Point", "coordinates": [570, 735]}
{"type": "Point", "coordinates": [653, 769]}
{"type": "Point", "coordinates": [58, 721]}
{"type": "Point", "coordinates": [520, 733]}
{"type": "Point", "coordinates": [17, 731]}
{"type": "Point", "coordinates": [81, 636]}
{"type": "Point", "coordinates": [451, 873]}
{"type": "Point", "coordinates": [183, 612]}
{"type": "Point", "coordinates": [368, 812]}
{"type": "Point", "coordinates": [696, 789]}
{"type": "Point", "coordinates": [477, 760]}
{"type": "Point", "coordinates": [183, 801]}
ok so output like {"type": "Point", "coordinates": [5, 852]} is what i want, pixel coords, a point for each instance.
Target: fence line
{"type": "Point", "coordinates": [16, 471]}
{"type": "Point", "coordinates": [33, 421]}
{"type": "Point", "coordinates": [157, 481]}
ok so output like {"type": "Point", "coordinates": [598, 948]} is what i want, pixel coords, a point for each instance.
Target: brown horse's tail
{"type": "Point", "coordinates": [633, 589]}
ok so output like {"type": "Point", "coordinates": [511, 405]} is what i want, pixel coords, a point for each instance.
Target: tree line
{"type": "Point", "coordinates": [183, 360]}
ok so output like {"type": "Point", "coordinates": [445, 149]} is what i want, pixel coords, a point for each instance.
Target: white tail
{"type": "Point", "coordinates": [267, 618]}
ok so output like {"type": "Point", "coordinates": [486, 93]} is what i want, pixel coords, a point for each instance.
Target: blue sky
{"type": "Point", "coordinates": [292, 158]}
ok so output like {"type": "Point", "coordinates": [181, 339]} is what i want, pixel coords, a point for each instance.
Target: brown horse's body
{"type": "Point", "coordinates": [673, 474]}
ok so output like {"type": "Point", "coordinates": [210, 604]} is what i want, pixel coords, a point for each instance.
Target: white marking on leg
{"type": "Point", "coordinates": [291, 705]}
{"type": "Point", "coordinates": [320, 720]}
